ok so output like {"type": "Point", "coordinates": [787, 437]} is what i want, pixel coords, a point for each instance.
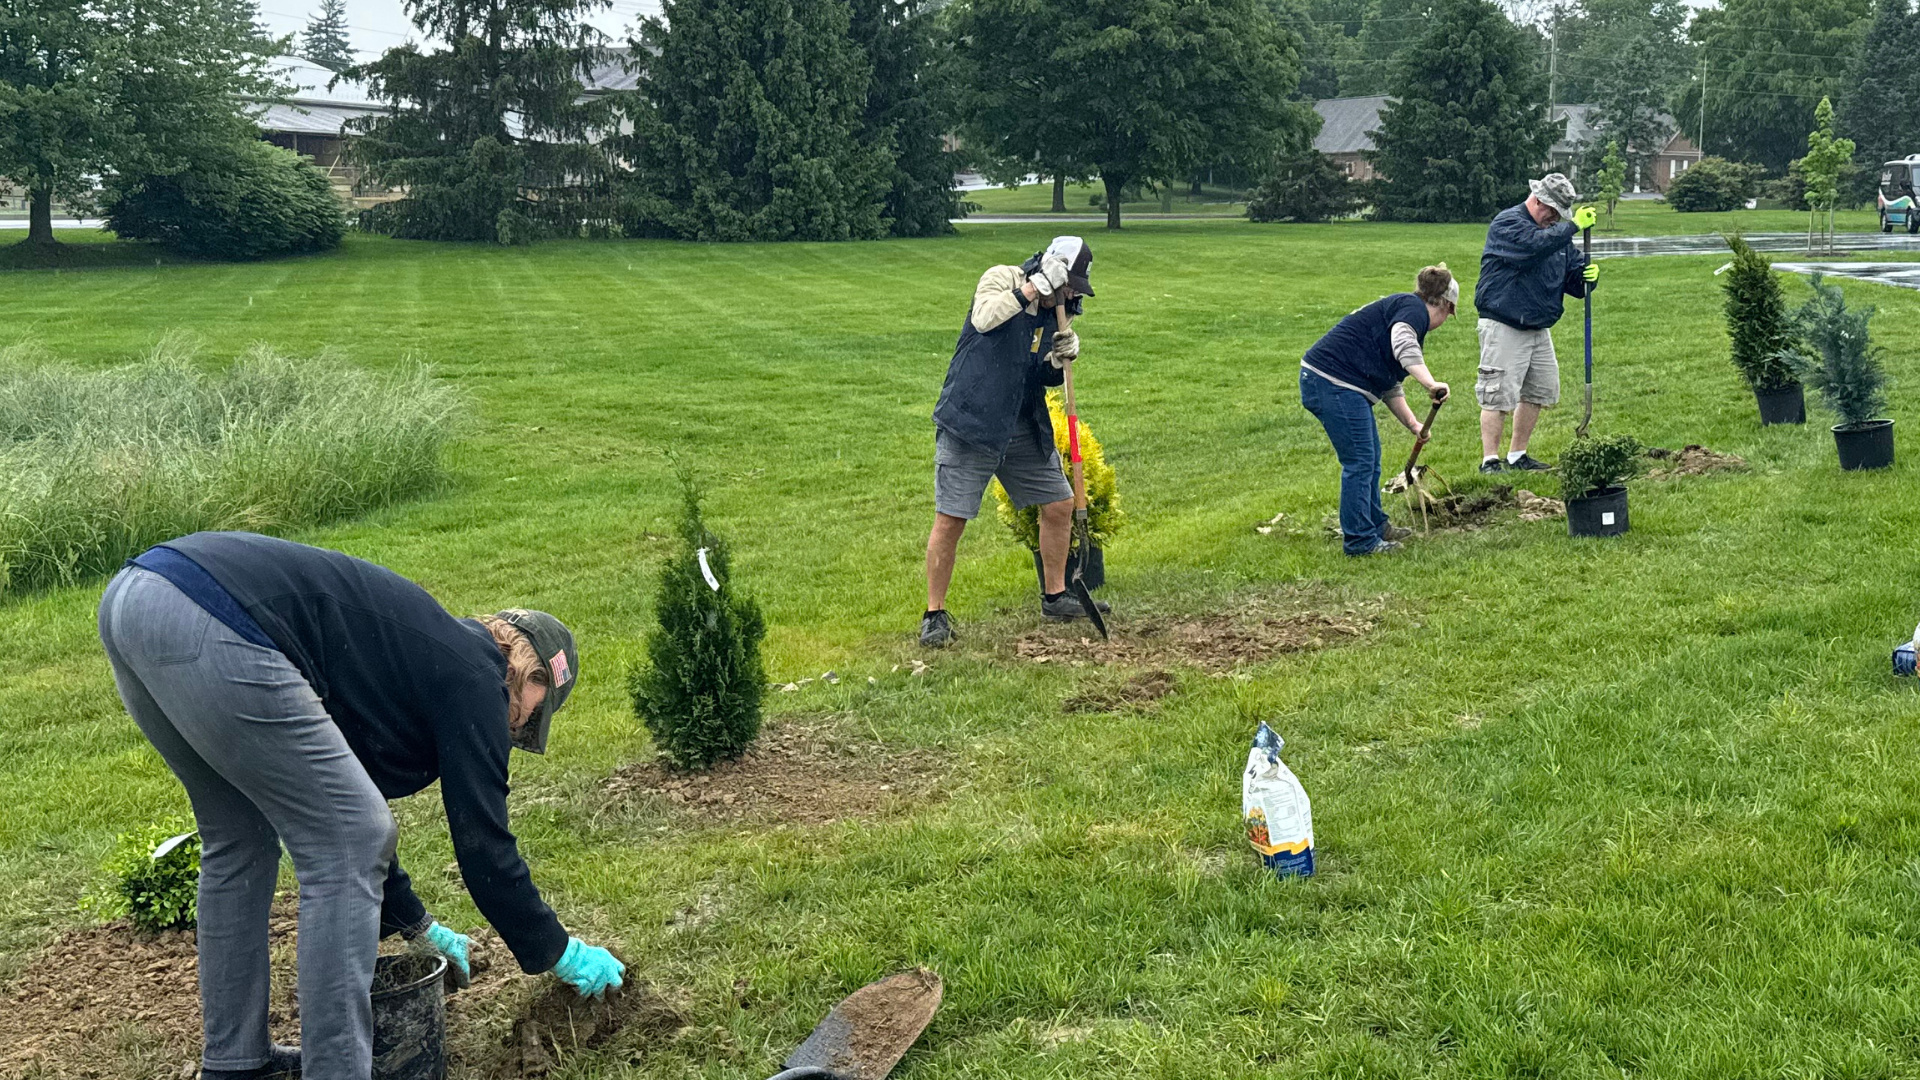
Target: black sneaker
{"type": "Point", "coordinates": [1384, 547]}
{"type": "Point", "coordinates": [283, 1063]}
{"type": "Point", "coordinates": [1066, 607]}
{"type": "Point", "coordinates": [1395, 533]}
{"type": "Point", "coordinates": [1493, 465]}
{"type": "Point", "coordinates": [936, 630]}
{"type": "Point", "coordinates": [1529, 463]}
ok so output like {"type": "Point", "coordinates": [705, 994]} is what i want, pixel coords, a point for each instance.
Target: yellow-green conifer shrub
{"type": "Point", "coordinates": [1104, 516]}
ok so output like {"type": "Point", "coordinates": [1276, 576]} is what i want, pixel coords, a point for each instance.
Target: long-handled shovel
{"type": "Point", "coordinates": [1418, 497]}
{"type": "Point", "coordinates": [1586, 245]}
{"type": "Point", "coordinates": [1082, 539]}
{"type": "Point", "coordinates": [868, 1033]}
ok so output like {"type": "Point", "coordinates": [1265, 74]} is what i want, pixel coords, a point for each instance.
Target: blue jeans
{"type": "Point", "coordinates": [264, 765]}
{"type": "Point", "coordinates": [1348, 417]}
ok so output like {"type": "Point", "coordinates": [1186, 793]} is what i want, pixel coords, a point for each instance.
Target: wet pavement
{"type": "Point", "coordinates": [1629, 246]}
{"type": "Point", "coordinates": [1899, 275]}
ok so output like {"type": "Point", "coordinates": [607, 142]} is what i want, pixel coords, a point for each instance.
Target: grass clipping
{"type": "Point", "coordinates": [96, 466]}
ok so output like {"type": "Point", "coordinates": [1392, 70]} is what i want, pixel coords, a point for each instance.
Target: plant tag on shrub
{"type": "Point", "coordinates": [168, 845]}
{"type": "Point", "coordinates": [1275, 809]}
{"type": "Point", "coordinates": [1606, 517]}
{"type": "Point", "coordinates": [707, 571]}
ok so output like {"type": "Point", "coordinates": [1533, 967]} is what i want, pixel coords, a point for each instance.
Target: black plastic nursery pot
{"type": "Point", "coordinates": [409, 1018]}
{"type": "Point", "coordinates": [1869, 446]}
{"type": "Point", "coordinates": [1096, 568]}
{"type": "Point", "coordinates": [1788, 406]}
{"type": "Point", "coordinates": [1598, 513]}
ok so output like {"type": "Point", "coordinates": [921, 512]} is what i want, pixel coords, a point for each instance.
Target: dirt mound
{"type": "Point", "coordinates": [1471, 511]}
{"type": "Point", "coordinates": [1692, 460]}
{"type": "Point", "coordinates": [1141, 691]}
{"type": "Point", "coordinates": [1216, 642]}
{"type": "Point", "coordinates": [110, 1001]}
{"type": "Point", "coordinates": [795, 772]}
{"type": "Point", "coordinates": [558, 1023]}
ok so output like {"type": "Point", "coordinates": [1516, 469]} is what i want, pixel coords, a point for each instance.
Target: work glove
{"type": "Point", "coordinates": [1066, 348]}
{"type": "Point", "coordinates": [1050, 275]}
{"type": "Point", "coordinates": [589, 969]}
{"type": "Point", "coordinates": [1592, 272]}
{"type": "Point", "coordinates": [1584, 217]}
{"type": "Point", "coordinates": [453, 945]}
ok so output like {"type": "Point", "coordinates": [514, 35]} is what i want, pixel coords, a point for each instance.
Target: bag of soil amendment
{"type": "Point", "coordinates": [1276, 810]}
{"type": "Point", "coordinates": [1904, 654]}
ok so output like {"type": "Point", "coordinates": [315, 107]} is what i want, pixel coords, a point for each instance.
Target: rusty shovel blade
{"type": "Point", "coordinates": [871, 1029]}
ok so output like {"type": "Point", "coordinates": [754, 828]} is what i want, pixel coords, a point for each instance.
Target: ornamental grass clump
{"type": "Point", "coordinates": [1835, 356]}
{"type": "Point", "coordinates": [1104, 516]}
{"type": "Point", "coordinates": [1593, 465]}
{"type": "Point", "coordinates": [699, 693]}
{"type": "Point", "coordinates": [96, 466]}
{"type": "Point", "coordinates": [1757, 321]}
{"type": "Point", "coordinates": [153, 893]}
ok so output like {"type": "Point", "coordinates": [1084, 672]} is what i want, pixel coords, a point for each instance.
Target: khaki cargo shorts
{"type": "Point", "coordinates": [1515, 366]}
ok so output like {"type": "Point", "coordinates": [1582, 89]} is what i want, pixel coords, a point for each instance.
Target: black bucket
{"type": "Point", "coordinates": [1869, 447]}
{"type": "Point", "coordinates": [1603, 513]}
{"type": "Point", "coordinates": [1788, 406]}
{"type": "Point", "coordinates": [409, 1018]}
{"type": "Point", "coordinates": [1096, 568]}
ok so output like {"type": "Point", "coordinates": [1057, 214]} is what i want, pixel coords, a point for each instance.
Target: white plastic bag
{"type": "Point", "coordinates": [1275, 808]}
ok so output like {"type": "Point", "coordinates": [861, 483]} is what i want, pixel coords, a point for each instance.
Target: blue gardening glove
{"type": "Point", "coordinates": [589, 969]}
{"type": "Point", "coordinates": [1592, 272]}
{"type": "Point", "coordinates": [453, 945]}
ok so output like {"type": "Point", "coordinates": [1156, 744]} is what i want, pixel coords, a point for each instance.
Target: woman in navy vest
{"type": "Point", "coordinates": [1358, 364]}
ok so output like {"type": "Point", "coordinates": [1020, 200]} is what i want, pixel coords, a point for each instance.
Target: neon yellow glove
{"type": "Point", "coordinates": [1584, 217]}
{"type": "Point", "coordinates": [1591, 273]}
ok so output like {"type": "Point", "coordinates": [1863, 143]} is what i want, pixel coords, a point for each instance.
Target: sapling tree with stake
{"type": "Point", "coordinates": [1757, 320]}
{"type": "Point", "coordinates": [699, 694]}
{"type": "Point", "coordinates": [1613, 179]}
{"type": "Point", "coordinates": [1826, 159]}
{"type": "Point", "coordinates": [1836, 357]}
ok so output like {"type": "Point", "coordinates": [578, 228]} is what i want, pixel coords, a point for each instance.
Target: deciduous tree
{"type": "Point", "coordinates": [1768, 64]}
{"type": "Point", "coordinates": [1876, 107]}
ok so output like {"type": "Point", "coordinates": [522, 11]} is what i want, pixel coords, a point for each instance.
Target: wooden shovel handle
{"type": "Point", "coordinates": [1420, 441]}
{"type": "Point", "coordinates": [1073, 417]}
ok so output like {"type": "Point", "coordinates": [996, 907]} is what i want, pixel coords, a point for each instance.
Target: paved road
{"type": "Point", "coordinates": [1899, 275]}
{"type": "Point", "coordinates": [1628, 246]}
{"type": "Point", "coordinates": [58, 223]}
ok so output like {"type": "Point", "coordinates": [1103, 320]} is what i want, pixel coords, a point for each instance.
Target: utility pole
{"type": "Point", "coordinates": [1703, 104]}
{"type": "Point", "coordinates": [1553, 63]}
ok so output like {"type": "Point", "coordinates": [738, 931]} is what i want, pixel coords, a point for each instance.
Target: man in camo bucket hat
{"type": "Point", "coordinates": [1529, 264]}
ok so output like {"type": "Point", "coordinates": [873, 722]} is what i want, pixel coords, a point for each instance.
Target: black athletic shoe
{"type": "Point", "coordinates": [1384, 547]}
{"type": "Point", "coordinates": [1066, 607]}
{"type": "Point", "coordinates": [1529, 463]}
{"type": "Point", "coordinates": [1493, 465]}
{"type": "Point", "coordinates": [1395, 533]}
{"type": "Point", "coordinates": [283, 1063]}
{"type": "Point", "coordinates": [936, 630]}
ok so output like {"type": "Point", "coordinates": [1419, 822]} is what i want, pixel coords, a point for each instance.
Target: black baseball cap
{"type": "Point", "coordinates": [553, 642]}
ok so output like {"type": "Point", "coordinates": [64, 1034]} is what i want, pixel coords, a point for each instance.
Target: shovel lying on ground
{"type": "Point", "coordinates": [1082, 541]}
{"type": "Point", "coordinates": [868, 1033]}
{"type": "Point", "coordinates": [1412, 479]}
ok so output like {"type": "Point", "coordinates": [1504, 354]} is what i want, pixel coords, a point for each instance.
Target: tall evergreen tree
{"type": "Point", "coordinates": [92, 86]}
{"type": "Point", "coordinates": [1133, 90]}
{"type": "Point", "coordinates": [748, 123]}
{"type": "Point", "coordinates": [325, 41]}
{"type": "Point", "coordinates": [897, 36]}
{"type": "Point", "coordinates": [1876, 108]}
{"type": "Point", "coordinates": [1768, 64]}
{"type": "Point", "coordinates": [1468, 125]}
{"type": "Point", "coordinates": [488, 134]}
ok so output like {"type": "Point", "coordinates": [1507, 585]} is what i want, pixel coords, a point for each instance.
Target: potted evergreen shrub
{"type": "Point", "coordinates": [1104, 516]}
{"type": "Point", "coordinates": [1593, 477]}
{"type": "Point", "coordinates": [1835, 356]}
{"type": "Point", "coordinates": [1762, 331]}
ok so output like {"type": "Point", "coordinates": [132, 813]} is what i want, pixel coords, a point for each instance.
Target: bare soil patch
{"type": "Point", "coordinates": [1252, 632]}
{"type": "Point", "coordinates": [1469, 511]}
{"type": "Point", "coordinates": [796, 772]}
{"type": "Point", "coordinates": [1692, 460]}
{"type": "Point", "coordinates": [1142, 691]}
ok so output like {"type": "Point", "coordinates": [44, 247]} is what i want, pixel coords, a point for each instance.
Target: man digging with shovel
{"type": "Point", "coordinates": [1528, 265]}
{"type": "Point", "coordinates": [992, 421]}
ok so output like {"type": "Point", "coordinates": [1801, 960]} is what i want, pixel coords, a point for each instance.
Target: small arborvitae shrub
{"type": "Point", "coordinates": [1757, 320]}
{"type": "Point", "coordinates": [1104, 516]}
{"type": "Point", "coordinates": [248, 200]}
{"type": "Point", "coordinates": [1305, 187]}
{"type": "Point", "coordinates": [1591, 465]}
{"type": "Point", "coordinates": [699, 693]}
{"type": "Point", "coordinates": [154, 894]}
{"type": "Point", "coordinates": [1836, 357]}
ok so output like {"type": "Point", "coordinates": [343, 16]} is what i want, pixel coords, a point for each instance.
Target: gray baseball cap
{"type": "Point", "coordinates": [1556, 191]}
{"type": "Point", "coordinates": [554, 644]}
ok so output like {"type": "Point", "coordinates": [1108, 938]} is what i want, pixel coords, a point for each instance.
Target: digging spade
{"type": "Point", "coordinates": [868, 1033]}
{"type": "Point", "coordinates": [1082, 540]}
{"type": "Point", "coordinates": [1418, 497]}
{"type": "Point", "coordinates": [1586, 246]}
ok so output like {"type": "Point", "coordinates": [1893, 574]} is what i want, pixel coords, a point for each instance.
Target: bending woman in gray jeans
{"type": "Point", "coordinates": [294, 690]}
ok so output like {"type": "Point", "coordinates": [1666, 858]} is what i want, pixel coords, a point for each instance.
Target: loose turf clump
{"type": "Point", "coordinates": [700, 692]}
{"type": "Point", "coordinates": [96, 466]}
{"type": "Point", "coordinates": [155, 894]}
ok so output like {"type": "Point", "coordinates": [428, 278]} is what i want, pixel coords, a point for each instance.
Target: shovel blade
{"type": "Point", "coordinates": [871, 1029]}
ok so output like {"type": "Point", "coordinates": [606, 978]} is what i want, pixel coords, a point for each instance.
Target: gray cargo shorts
{"type": "Point", "coordinates": [961, 471]}
{"type": "Point", "coordinates": [1516, 365]}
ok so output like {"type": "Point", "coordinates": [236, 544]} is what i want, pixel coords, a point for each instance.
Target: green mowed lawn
{"type": "Point", "coordinates": [1645, 806]}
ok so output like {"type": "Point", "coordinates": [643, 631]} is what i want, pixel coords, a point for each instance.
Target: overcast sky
{"type": "Point", "coordinates": [378, 25]}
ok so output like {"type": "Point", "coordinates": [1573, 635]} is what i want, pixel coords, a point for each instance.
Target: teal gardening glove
{"type": "Point", "coordinates": [589, 969]}
{"type": "Point", "coordinates": [453, 945]}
